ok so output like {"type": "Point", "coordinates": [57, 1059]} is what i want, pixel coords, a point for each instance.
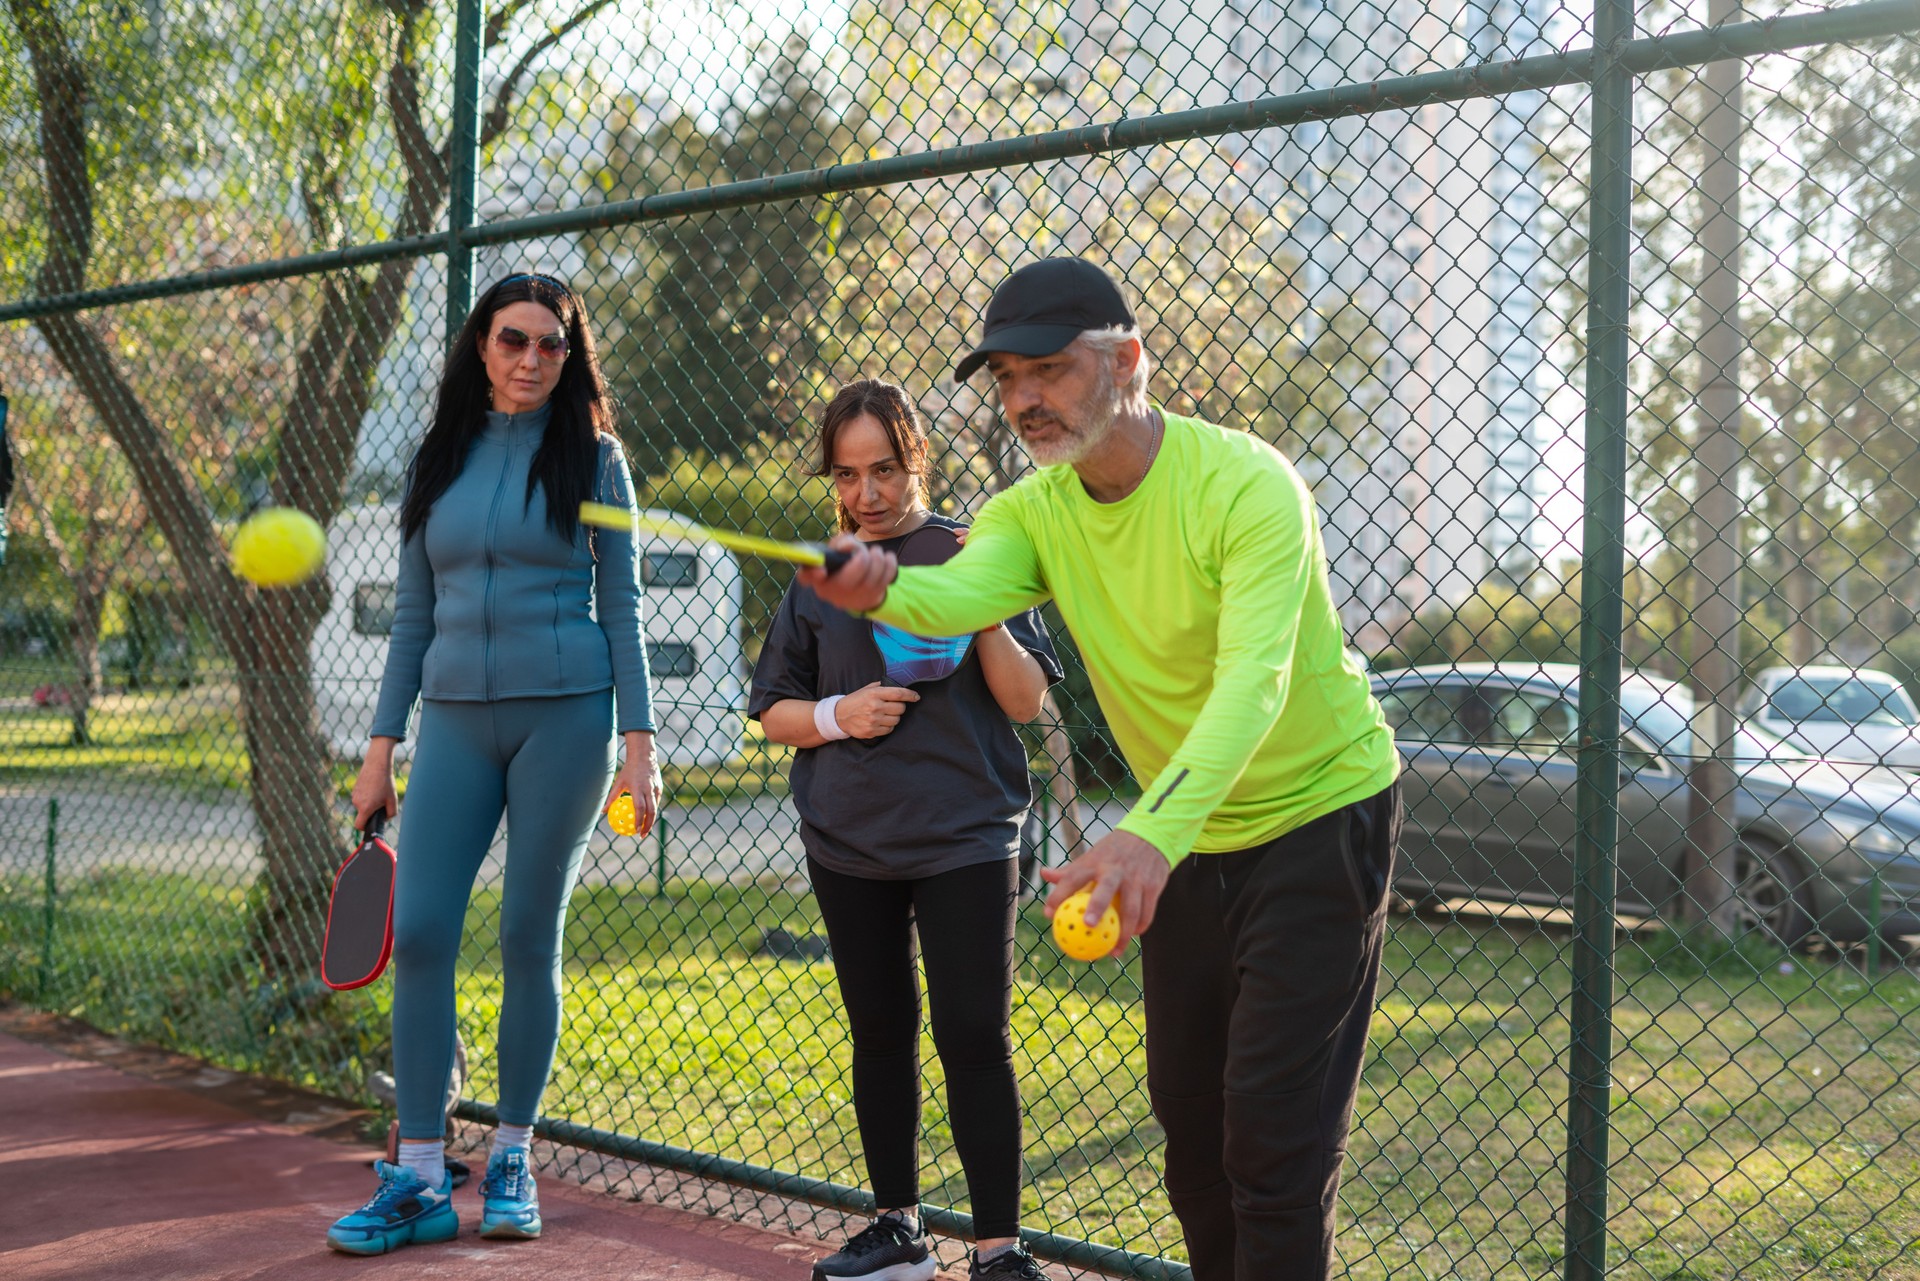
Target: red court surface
{"type": "Point", "coordinates": [111, 1175]}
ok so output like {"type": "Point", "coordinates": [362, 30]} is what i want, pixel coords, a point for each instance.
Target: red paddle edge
{"type": "Point", "coordinates": [372, 838]}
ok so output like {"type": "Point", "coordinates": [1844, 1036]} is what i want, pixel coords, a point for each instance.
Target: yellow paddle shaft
{"type": "Point", "coordinates": [610, 517]}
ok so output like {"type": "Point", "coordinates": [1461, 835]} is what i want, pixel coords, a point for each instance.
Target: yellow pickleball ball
{"type": "Point", "coordinates": [620, 815]}
{"type": "Point", "coordinates": [1076, 938]}
{"type": "Point", "coordinates": [278, 547]}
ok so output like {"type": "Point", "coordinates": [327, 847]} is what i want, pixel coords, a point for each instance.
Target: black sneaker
{"type": "Point", "coordinates": [885, 1250]}
{"type": "Point", "coordinates": [1013, 1265]}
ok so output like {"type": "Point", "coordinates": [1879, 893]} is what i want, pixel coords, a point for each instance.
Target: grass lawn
{"type": "Point", "coordinates": [189, 739]}
{"type": "Point", "coordinates": [1765, 1122]}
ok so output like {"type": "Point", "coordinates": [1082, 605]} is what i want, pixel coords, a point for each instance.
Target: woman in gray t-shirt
{"type": "Point", "coordinates": [911, 785]}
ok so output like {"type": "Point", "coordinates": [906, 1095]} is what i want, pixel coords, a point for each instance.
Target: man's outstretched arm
{"type": "Point", "coordinates": [991, 579]}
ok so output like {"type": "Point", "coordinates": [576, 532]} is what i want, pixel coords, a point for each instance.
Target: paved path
{"type": "Point", "coordinates": [132, 824]}
{"type": "Point", "coordinates": [110, 1175]}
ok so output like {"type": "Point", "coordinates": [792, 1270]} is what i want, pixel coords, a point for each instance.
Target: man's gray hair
{"type": "Point", "coordinates": [1106, 341]}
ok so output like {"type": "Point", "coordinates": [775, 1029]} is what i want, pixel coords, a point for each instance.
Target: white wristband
{"type": "Point", "coordinates": [823, 718]}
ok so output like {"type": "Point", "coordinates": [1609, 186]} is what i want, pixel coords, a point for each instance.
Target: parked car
{"type": "Point", "coordinates": [1489, 788]}
{"type": "Point", "coordinates": [1842, 713]}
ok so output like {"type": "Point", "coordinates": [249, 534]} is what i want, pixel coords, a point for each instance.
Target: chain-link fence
{"type": "Point", "coordinates": [1594, 331]}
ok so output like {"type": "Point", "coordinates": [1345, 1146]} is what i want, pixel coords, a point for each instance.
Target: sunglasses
{"type": "Point", "coordinates": [514, 343]}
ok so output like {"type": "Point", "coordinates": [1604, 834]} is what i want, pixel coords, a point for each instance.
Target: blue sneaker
{"type": "Point", "coordinates": [403, 1211]}
{"type": "Point", "coordinates": [512, 1210]}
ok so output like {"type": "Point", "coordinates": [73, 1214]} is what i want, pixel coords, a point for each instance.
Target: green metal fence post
{"type": "Point", "coordinates": [1876, 912]}
{"type": "Point", "coordinates": [1597, 803]}
{"type": "Point", "coordinates": [659, 855]}
{"type": "Point", "coordinates": [463, 170]}
{"type": "Point", "coordinates": [53, 897]}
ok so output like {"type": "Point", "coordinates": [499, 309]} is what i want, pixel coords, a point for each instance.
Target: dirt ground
{"type": "Point", "coordinates": [128, 1162]}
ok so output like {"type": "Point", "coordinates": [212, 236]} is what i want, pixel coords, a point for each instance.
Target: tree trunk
{"type": "Point", "coordinates": [1069, 825]}
{"type": "Point", "coordinates": [1803, 633]}
{"type": "Point", "coordinates": [292, 786]}
{"type": "Point", "coordinates": [83, 642]}
{"type": "Point", "coordinates": [1802, 641]}
{"type": "Point", "coordinates": [1707, 890]}
{"type": "Point", "coordinates": [267, 634]}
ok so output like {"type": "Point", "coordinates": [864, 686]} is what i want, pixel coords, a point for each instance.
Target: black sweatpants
{"type": "Point", "coordinates": [964, 920]}
{"type": "Point", "coordinates": [1260, 970]}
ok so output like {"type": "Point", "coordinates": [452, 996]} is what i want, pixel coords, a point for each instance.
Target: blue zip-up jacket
{"type": "Point", "coordinates": [491, 603]}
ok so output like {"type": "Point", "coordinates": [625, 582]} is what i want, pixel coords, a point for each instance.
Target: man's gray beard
{"type": "Point", "coordinates": [1096, 413]}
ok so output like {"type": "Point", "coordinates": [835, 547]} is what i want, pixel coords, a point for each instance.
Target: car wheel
{"type": "Point", "coordinates": [1770, 896]}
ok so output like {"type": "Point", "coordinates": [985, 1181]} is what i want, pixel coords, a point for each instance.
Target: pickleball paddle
{"type": "Point", "coordinates": [609, 517]}
{"type": "Point", "coordinates": [360, 913]}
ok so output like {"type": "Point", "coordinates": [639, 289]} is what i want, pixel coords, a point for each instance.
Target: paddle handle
{"type": "Point", "coordinates": [834, 559]}
{"type": "Point", "coordinates": [375, 825]}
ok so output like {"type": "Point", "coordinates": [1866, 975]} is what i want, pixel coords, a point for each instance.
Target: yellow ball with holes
{"type": "Point", "coordinates": [1076, 938]}
{"type": "Point", "coordinates": [620, 815]}
{"type": "Point", "coordinates": [278, 547]}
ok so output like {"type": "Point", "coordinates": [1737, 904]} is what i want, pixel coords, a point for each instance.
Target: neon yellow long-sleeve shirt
{"type": "Point", "coordinates": [1200, 605]}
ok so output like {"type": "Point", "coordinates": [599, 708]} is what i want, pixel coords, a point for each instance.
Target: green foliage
{"type": "Point", "coordinates": [1500, 623]}
{"type": "Point", "coordinates": [207, 120]}
{"type": "Point", "coordinates": [721, 327]}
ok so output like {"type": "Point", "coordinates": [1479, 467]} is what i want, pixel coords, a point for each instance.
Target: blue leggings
{"type": "Point", "coordinates": [548, 763]}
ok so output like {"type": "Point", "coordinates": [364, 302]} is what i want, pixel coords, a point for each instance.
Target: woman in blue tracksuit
{"type": "Point", "coordinates": [519, 631]}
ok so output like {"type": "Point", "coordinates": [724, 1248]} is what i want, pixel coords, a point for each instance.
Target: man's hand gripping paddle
{"type": "Point", "coordinates": [360, 915]}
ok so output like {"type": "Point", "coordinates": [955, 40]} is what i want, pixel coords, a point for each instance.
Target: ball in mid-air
{"type": "Point", "coordinates": [1076, 938]}
{"type": "Point", "coordinates": [620, 815]}
{"type": "Point", "coordinates": [278, 547]}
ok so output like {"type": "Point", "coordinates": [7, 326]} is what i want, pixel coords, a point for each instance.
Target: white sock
{"type": "Point", "coordinates": [908, 1217]}
{"type": "Point", "coordinates": [993, 1252]}
{"type": "Point", "coordinates": [509, 1136]}
{"type": "Point", "coordinates": [426, 1158]}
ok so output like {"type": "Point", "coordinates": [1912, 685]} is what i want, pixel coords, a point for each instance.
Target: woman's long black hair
{"type": "Point", "coordinates": [569, 452]}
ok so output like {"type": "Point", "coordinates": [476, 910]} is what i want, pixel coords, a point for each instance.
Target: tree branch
{"type": "Point", "coordinates": [500, 19]}
{"type": "Point", "coordinates": [425, 163]}
{"type": "Point", "coordinates": [495, 121]}
{"type": "Point", "coordinates": [62, 88]}
{"type": "Point", "coordinates": [42, 516]}
{"type": "Point", "coordinates": [333, 379]}
{"type": "Point", "coordinates": [171, 495]}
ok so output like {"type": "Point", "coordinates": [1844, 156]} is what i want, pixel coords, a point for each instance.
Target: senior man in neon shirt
{"type": "Point", "coordinates": [1187, 561]}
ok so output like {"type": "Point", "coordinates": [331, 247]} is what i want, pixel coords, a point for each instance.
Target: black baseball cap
{"type": "Point", "coordinates": [1044, 306]}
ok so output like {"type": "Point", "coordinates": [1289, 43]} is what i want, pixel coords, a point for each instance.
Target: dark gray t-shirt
{"type": "Point", "coordinates": [946, 789]}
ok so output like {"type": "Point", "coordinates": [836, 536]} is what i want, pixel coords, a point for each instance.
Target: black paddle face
{"type": "Point", "coordinates": [360, 917]}
{"type": "Point", "coordinates": [6, 459]}
{"type": "Point", "coordinates": [6, 477]}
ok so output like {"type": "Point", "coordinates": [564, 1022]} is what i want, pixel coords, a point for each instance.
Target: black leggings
{"type": "Point", "coordinates": [964, 919]}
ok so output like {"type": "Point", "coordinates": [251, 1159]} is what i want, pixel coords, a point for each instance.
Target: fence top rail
{"type": "Point", "coordinates": [1874, 19]}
